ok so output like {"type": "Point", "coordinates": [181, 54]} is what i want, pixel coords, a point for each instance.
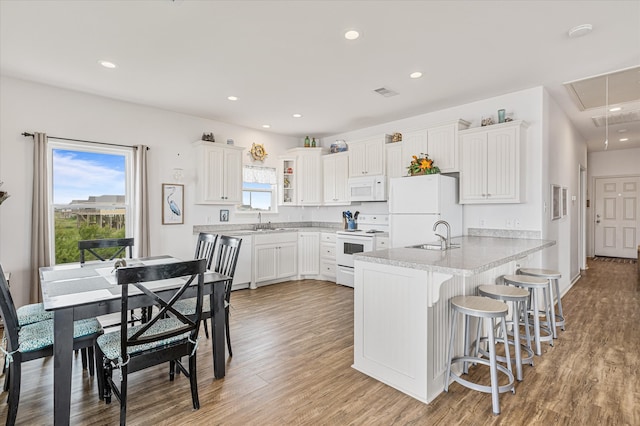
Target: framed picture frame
{"type": "Point", "coordinates": [565, 201]}
{"type": "Point", "coordinates": [224, 215]}
{"type": "Point", "coordinates": [556, 202]}
{"type": "Point", "coordinates": [172, 204]}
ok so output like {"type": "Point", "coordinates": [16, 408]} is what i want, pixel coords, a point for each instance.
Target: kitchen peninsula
{"type": "Point", "coordinates": [401, 305]}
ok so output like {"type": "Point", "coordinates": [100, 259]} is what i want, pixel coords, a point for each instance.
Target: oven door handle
{"type": "Point", "coordinates": [352, 238]}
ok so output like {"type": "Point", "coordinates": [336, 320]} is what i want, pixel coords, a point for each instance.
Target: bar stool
{"type": "Point", "coordinates": [481, 308]}
{"type": "Point", "coordinates": [536, 286]}
{"type": "Point", "coordinates": [554, 276]}
{"type": "Point", "coordinates": [518, 297]}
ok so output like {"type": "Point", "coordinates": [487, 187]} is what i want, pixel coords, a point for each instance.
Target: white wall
{"type": "Point", "coordinates": [622, 162]}
{"type": "Point", "coordinates": [565, 151]}
{"type": "Point", "coordinates": [30, 107]}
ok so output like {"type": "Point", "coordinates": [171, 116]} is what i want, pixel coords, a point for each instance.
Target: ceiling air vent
{"type": "Point", "coordinates": [387, 93]}
{"type": "Point", "coordinates": [618, 118]}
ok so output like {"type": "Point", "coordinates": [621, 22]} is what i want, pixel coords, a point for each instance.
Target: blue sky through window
{"type": "Point", "coordinates": [77, 175]}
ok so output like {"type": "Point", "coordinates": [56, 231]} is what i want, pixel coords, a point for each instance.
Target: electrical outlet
{"type": "Point", "coordinates": [509, 223]}
{"type": "Point", "coordinates": [516, 223]}
{"type": "Point", "coordinates": [481, 222]}
{"type": "Point", "coordinates": [209, 220]}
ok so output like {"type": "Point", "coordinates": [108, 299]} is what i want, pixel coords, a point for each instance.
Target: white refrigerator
{"type": "Point", "coordinates": [416, 203]}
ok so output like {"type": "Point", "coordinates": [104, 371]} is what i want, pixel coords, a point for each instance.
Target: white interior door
{"type": "Point", "coordinates": [617, 217]}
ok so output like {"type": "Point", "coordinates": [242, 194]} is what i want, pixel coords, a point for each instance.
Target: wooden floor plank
{"type": "Point", "coordinates": [293, 350]}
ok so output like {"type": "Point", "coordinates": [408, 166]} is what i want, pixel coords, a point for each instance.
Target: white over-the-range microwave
{"type": "Point", "coordinates": [368, 188]}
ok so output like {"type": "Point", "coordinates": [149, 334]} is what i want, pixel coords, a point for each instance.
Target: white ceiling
{"type": "Point", "coordinates": [285, 57]}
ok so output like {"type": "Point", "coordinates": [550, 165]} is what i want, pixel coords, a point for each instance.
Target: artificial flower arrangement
{"type": "Point", "coordinates": [422, 165]}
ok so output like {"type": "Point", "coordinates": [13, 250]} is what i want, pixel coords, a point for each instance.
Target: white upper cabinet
{"type": "Point", "coordinates": [336, 174]}
{"type": "Point", "coordinates": [219, 170]}
{"type": "Point", "coordinates": [301, 177]}
{"type": "Point", "coordinates": [492, 164]}
{"type": "Point", "coordinates": [440, 143]}
{"type": "Point", "coordinates": [443, 145]}
{"type": "Point", "coordinates": [366, 156]}
{"type": "Point", "coordinates": [394, 166]}
{"type": "Point", "coordinates": [414, 143]}
{"type": "Point", "coordinates": [287, 180]}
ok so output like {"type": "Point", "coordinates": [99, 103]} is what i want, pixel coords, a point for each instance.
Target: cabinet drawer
{"type": "Point", "coordinates": [328, 237]}
{"type": "Point", "coordinates": [276, 237]}
{"type": "Point", "coordinates": [328, 250]}
{"type": "Point", "coordinates": [328, 268]}
{"type": "Point", "coordinates": [382, 243]}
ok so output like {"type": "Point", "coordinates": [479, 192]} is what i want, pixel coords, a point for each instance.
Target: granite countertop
{"type": "Point", "coordinates": [475, 255]}
{"type": "Point", "coordinates": [248, 229]}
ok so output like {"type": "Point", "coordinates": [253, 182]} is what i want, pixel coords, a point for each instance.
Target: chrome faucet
{"type": "Point", "coordinates": [445, 241]}
{"type": "Point", "coordinates": [260, 218]}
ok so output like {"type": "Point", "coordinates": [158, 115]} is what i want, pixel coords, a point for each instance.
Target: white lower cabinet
{"type": "Point", "coordinates": [308, 253]}
{"type": "Point", "coordinates": [243, 274]}
{"type": "Point", "coordinates": [275, 256]}
{"type": "Point", "coordinates": [328, 256]}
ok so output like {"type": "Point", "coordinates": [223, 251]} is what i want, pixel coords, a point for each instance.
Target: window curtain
{"type": "Point", "coordinates": [141, 202]}
{"type": "Point", "coordinates": [40, 244]}
{"type": "Point", "coordinates": [257, 174]}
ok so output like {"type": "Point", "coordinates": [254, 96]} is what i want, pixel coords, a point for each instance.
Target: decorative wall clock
{"type": "Point", "coordinates": [258, 152]}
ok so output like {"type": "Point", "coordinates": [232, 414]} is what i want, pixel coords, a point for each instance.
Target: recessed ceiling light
{"type": "Point", "coordinates": [615, 109]}
{"type": "Point", "coordinates": [624, 139]}
{"type": "Point", "coordinates": [416, 74]}
{"type": "Point", "coordinates": [297, 115]}
{"type": "Point", "coordinates": [580, 30]}
{"type": "Point", "coordinates": [107, 64]}
{"type": "Point", "coordinates": [232, 98]}
{"type": "Point", "coordinates": [266, 126]}
{"type": "Point", "coordinates": [351, 35]}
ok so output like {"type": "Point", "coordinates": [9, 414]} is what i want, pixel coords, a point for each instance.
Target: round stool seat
{"type": "Point", "coordinates": [478, 306]}
{"type": "Point", "coordinates": [526, 281]}
{"type": "Point", "coordinates": [503, 292]}
{"type": "Point", "coordinates": [539, 272]}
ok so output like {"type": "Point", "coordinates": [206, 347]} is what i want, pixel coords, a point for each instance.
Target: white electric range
{"type": "Point", "coordinates": [350, 242]}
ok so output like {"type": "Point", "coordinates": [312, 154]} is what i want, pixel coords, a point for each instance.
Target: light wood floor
{"type": "Point", "coordinates": [293, 350]}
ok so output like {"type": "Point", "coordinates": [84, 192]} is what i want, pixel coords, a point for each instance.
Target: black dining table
{"type": "Point", "coordinates": [73, 291]}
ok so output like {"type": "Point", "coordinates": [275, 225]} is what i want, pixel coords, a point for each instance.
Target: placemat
{"type": "Point", "coordinates": [78, 286]}
{"type": "Point", "coordinates": [68, 274]}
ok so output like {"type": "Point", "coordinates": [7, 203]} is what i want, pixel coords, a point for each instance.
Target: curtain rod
{"type": "Point", "coordinates": [81, 140]}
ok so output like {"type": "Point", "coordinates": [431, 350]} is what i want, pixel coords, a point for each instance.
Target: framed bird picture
{"type": "Point", "coordinates": [172, 204]}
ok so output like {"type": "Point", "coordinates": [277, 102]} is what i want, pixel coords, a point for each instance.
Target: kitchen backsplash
{"type": "Point", "coordinates": [504, 233]}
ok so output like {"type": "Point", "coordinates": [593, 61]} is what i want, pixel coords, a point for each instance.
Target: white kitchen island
{"type": "Point", "coordinates": [401, 306]}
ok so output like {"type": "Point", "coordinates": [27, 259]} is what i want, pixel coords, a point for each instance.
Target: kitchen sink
{"type": "Point", "coordinates": [268, 229]}
{"type": "Point", "coordinates": [433, 246]}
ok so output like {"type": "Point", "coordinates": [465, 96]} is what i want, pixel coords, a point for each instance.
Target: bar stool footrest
{"type": "Point", "coordinates": [482, 388]}
{"type": "Point", "coordinates": [523, 360]}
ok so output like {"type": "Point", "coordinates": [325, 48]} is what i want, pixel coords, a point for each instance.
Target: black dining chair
{"type": "Point", "coordinates": [164, 338]}
{"type": "Point", "coordinates": [205, 247]}
{"type": "Point", "coordinates": [228, 249]}
{"type": "Point", "coordinates": [33, 341]}
{"type": "Point", "coordinates": [105, 249]}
